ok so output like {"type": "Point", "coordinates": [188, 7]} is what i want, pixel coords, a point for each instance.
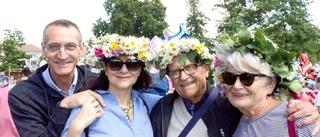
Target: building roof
{"type": "Point", "coordinates": [29, 48]}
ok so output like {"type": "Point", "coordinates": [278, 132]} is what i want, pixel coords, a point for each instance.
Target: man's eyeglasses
{"type": "Point", "coordinates": [246, 79]}
{"type": "Point", "coordinates": [189, 70]}
{"type": "Point", "coordinates": [54, 47]}
{"type": "Point", "coordinates": [117, 64]}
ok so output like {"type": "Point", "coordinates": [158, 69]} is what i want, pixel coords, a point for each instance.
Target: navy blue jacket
{"type": "Point", "coordinates": [34, 108]}
{"type": "Point", "coordinates": [220, 115]}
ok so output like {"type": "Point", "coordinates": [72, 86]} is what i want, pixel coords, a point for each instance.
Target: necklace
{"type": "Point", "coordinates": [128, 111]}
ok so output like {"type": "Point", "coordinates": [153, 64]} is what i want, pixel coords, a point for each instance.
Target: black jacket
{"type": "Point", "coordinates": [32, 101]}
{"type": "Point", "coordinates": [220, 116]}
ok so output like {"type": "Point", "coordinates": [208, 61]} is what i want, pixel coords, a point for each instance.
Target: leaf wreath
{"type": "Point", "coordinates": [276, 56]}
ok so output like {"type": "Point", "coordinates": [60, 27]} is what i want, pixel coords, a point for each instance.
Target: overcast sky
{"type": "Point", "coordinates": [31, 16]}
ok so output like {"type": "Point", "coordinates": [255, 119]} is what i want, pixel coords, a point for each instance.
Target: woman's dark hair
{"type": "Point", "coordinates": [102, 82]}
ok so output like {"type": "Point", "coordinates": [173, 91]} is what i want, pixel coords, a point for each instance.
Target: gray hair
{"type": "Point", "coordinates": [242, 63]}
{"type": "Point", "coordinates": [249, 62]}
{"type": "Point", "coordinates": [60, 22]}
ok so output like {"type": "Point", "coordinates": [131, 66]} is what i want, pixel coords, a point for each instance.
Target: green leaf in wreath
{"type": "Point", "coordinates": [295, 86]}
{"type": "Point", "coordinates": [244, 36]}
{"type": "Point", "coordinates": [207, 61]}
{"type": "Point", "coordinates": [276, 59]}
{"type": "Point", "coordinates": [229, 43]}
{"type": "Point", "coordinates": [258, 37]}
{"type": "Point", "coordinates": [282, 71]}
{"type": "Point", "coordinates": [254, 45]}
{"type": "Point", "coordinates": [182, 59]}
{"type": "Point", "coordinates": [234, 38]}
{"type": "Point", "coordinates": [191, 55]}
{"type": "Point", "coordinates": [243, 50]}
{"type": "Point", "coordinates": [269, 48]}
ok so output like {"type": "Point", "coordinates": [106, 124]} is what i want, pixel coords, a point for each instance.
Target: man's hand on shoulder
{"type": "Point", "coordinates": [298, 109]}
{"type": "Point", "coordinates": [80, 99]}
{"type": "Point", "coordinates": [88, 113]}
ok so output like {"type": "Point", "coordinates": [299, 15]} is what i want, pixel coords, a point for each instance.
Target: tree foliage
{"type": "Point", "coordinates": [12, 57]}
{"type": "Point", "coordinates": [100, 28]}
{"type": "Point", "coordinates": [132, 17]}
{"type": "Point", "coordinates": [196, 21]}
{"type": "Point", "coordinates": [285, 22]}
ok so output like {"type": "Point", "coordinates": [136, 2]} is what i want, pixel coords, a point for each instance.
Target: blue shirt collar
{"type": "Point", "coordinates": [49, 81]}
{"type": "Point", "coordinates": [134, 93]}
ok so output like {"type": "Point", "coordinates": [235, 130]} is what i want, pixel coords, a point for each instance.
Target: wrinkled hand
{"type": "Point", "coordinates": [299, 109]}
{"type": "Point", "coordinates": [81, 98]}
{"type": "Point", "coordinates": [88, 113]}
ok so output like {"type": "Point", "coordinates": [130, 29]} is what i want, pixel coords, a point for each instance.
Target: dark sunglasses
{"type": "Point", "coordinates": [245, 78]}
{"type": "Point", "coordinates": [116, 64]}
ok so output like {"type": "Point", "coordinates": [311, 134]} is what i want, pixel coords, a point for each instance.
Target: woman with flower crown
{"type": "Point", "coordinates": [257, 75]}
{"type": "Point", "coordinates": [124, 77]}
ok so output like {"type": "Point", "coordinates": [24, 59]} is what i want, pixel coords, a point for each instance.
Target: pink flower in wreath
{"type": "Point", "coordinates": [217, 62]}
{"type": "Point", "coordinates": [98, 53]}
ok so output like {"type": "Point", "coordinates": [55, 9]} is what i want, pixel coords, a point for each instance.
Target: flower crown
{"type": "Point", "coordinates": [279, 59]}
{"type": "Point", "coordinates": [166, 50]}
{"type": "Point", "coordinates": [113, 45]}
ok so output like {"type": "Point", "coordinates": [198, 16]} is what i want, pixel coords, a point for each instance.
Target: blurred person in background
{"type": "Point", "coordinates": [317, 99]}
{"type": "Point", "coordinates": [3, 76]}
{"type": "Point", "coordinates": [7, 126]}
{"type": "Point", "coordinates": [159, 86]}
{"type": "Point", "coordinates": [26, 72]}
{"type": "Point", "coordinates": [5, 81]}
{"type": "Point", "coordinates": [12, 82]}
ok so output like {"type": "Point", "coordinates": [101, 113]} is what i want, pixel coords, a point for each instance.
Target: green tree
{"type": "Point", "coordinates": [100, 28]}
{"type": "Point", "coordinates": [231, 11]}
{"type": "Point", "coordinates": [196, 21]}
{"type": "Point", "coordinates": [294, 29]}
{"type": "Point", "coordinates": [132, 17]}
{"type": "Point", "coordinates": [285, 22]}
{"type": "Point", "coordinates": [240, 13]}
{"type": "Point", "coordinates": [12, 57]}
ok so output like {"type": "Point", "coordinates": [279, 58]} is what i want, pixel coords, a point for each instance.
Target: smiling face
{"type": "Point", "coordinates": [122, 79]}
{"type": "Point", "coordinates": [249, 98]}
{"type": "Point", "coordinates": [62, 62]}
{"type": "Point", "coordinates": [190, 87]}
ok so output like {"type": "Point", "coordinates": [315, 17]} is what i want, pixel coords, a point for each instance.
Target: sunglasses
{"type": "Point", "coordinates": [245, 78]}
{"type": "Point", "coordinates": [116, 64]}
